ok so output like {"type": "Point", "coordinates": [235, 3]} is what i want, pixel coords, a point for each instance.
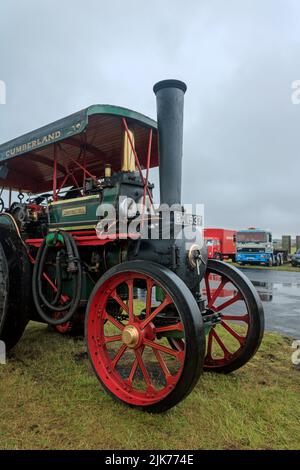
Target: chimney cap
{"type": "Point", "coordinates": [171, 83]}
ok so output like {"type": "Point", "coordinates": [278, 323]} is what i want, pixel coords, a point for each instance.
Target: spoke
{"type": "Point", "coordinates": [166, 302]}
{"type": "Point", "coordinates": [132, 372]}
{"type": "Point", "coordinates": [162, 348]}
{"type": "Point", "coordinates": [177, 327]}
{"type": "Point", "coordinates": [243, 318]}
{"type": "Point", "coordinates": [216, 293]}
{"type": "Point", "coordinates": [178, 343]}
{"type": "Point", "coordinates": [221, 344]}
{"type": "Point", "coordinates": [209, 345]}
{"type": "Point", "coordinates": [118, 299]}
{"type": "Point", "coordinates": [207, 286]}
{"type": "Point", "coordinates": [118, 355]}
{"type": "Point", "coordinates": [240, 339]}
{"type": "Point", "coordinates": [134, 368]}
{"type": "Point", "coordinates": [112, 339]}
{"type": "Point", "coordinates": [114, 321]}
{"type": "Point", "coordinates": [231, 301]}
{"type": "Point", "coordinates": [143, 369]}
{"type": "Point", "coordinates": [149, 297]}
{"type": "Point", "coordinates": [130, 300]}
{"type": "Point", "coordinates": [162, 364]}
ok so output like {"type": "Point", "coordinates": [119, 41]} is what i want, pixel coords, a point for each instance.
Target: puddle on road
{"type": "Point", "coordinates": [281, 300]}
{"type": "Point", "coordinates": [271, 291]}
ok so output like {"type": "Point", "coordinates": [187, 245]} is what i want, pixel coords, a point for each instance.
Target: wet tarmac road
{"type": "Point", "coordinates": [280, 293]}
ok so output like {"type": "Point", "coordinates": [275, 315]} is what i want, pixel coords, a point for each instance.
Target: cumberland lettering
{"type": "Point", "coordinates": [33, 144]}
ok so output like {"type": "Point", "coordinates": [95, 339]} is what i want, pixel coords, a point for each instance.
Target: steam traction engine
{"type": "Point", "coordinates": [156, 311]}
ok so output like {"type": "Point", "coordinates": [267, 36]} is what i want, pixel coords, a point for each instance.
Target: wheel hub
{"type": "Point", "coordinates": [130, 336]}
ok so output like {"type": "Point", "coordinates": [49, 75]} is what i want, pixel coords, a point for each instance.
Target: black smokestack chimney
{"type": "Point", "coordinates": [170, 99]}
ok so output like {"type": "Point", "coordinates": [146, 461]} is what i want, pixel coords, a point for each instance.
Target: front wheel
{"type": "Point", "coordinates": [129, 346]}
{"type": "Point", "coordinates": [236, 337]}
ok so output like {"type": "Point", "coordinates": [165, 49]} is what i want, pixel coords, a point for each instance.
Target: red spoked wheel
{"type": "Point", "coordinates": [233, 300]}
{"type": "Point", "coordinates": [127, 334]}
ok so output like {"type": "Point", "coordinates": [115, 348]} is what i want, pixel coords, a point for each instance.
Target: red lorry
{"type": "Point", "coordinates": [220, 243]}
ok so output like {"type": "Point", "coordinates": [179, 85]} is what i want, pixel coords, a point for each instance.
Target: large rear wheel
{"type": "Point", "coordinates": [236, 337]}
{"type": "Point", "coordinates": [133, 311]}
{"type": "Point", "coordinates": [15, 292]}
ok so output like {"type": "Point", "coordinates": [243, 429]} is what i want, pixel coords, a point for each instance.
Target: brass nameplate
{"type": "Point", "coordinates": [74, 211]}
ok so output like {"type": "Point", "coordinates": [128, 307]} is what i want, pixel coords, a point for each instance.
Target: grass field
{"type": "Point", "coordinates": [50, 399]}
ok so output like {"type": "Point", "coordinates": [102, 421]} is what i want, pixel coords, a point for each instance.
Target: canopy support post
{"type": "Point", "coordinates": [62, 184]}
{"type": "Point", "coordinates": [84, 169]}
{"type": "Point", "coordinates": [84, 166]}
{"type": "Point", "coordinates": [55, 174]}
{"type": "Point", "coordinates": [137, 159]}
{"type": "Point", "coordinates": [147, 174]}
{"type": "Point", "coordinates": [148, 164]}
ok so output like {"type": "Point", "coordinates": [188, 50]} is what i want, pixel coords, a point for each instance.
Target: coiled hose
{"type": "Point", "coordinates": [43, 306]}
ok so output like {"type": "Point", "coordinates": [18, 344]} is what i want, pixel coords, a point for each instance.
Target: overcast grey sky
{"type": "Point", "coordinates": [238, 58]}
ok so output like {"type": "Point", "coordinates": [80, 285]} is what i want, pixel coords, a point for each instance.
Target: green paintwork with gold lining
{"type": "Point", "coordinates": [80, 213]}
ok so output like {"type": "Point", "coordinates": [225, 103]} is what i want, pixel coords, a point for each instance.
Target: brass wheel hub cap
{"type": "Point", "coordinates": [130, 336]}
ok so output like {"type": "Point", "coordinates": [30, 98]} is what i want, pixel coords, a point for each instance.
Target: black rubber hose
{"type": "Point", "coordinates": [49, 305]}
{"type": "Point", "coordinates": [75, 268]}
{"type": "Point", "coordinates": [58, 278]}
{"type": "Point", "coordinates": [73, 304]}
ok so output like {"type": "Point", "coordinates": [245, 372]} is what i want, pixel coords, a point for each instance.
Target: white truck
{"type": "Point", "coordinates": [255, 246]}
